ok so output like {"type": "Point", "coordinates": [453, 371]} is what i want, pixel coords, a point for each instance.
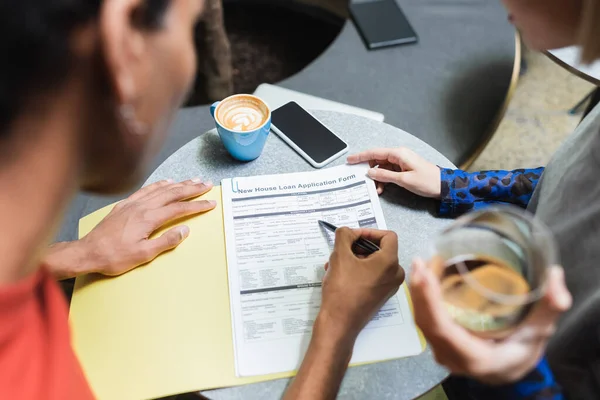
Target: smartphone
{"type": "Point", "coordinates": [305, 134]}
{"type": "Point", "coordinates": [381, 23]}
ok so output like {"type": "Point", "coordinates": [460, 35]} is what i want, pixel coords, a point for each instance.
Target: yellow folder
{"type": "Point", "coordinates": [165, 327]}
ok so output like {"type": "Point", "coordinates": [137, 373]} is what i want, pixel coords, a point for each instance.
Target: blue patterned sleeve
{"type": "Point", "coordinates": [539, 384]}
{"type": "Point", "coordinates": [466, 191]}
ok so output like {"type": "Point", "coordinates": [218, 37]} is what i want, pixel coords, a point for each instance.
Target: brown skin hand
{"type": "Point", "coordinates": [74, 137]}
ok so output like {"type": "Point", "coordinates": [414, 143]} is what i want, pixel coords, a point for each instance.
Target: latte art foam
{"type": "Point", "coordinates": [242, 114]}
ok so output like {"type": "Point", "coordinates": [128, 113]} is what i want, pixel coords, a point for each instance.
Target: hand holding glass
{"type": "Point", "coordinates": [493, 267]}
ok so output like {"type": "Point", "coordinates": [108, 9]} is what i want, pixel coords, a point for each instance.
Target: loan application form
{"type": "Point", "coordinates": [276, 251]}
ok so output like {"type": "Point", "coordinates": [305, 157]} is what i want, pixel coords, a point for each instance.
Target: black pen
{"type": "Point", "coordinates": [366, 245]}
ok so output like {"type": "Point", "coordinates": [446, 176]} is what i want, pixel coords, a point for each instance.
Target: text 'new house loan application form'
{"type": "Point", "coordinates": [276, 251]}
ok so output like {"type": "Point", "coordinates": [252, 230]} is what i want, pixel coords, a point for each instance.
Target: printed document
{"type": "Point", "coordinates": [276, 251]}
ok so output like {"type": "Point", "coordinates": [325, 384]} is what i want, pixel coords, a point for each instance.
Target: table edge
{"type": "Point", "coordinates": [571, 68]}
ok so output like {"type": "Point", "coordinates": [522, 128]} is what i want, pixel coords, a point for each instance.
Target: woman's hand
{"type": "Point", "coordinates": [488, 361]}
{"type": "Point", "coordinates": [120, 242]}
{"type": "Point", "coordinates": [403, 167]}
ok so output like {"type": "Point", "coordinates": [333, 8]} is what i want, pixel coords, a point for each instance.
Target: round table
{"type": "Point", "coordinates": [449, 89]}
{"type": "Point", "coordinates": [412, 217]}
{"type": "Point", "coordinates": [568, 58]}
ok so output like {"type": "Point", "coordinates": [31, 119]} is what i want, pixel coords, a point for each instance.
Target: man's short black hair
{"type": "Point", "coordinates": [34, 46]}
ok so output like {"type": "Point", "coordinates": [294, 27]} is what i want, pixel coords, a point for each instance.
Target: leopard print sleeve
{"type": "Point", "coordinates": [466, 191]}
{"type": "Point", "coordinates": [539, 384]}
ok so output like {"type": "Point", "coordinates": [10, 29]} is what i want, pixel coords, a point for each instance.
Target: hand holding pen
{"type": "Point", "coordinates": [355, 286]}
{"type": "Point", "coordinates": [365, 245]}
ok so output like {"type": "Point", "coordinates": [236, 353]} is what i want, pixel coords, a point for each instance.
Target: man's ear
{"type": "Point", "coordinates": [123, 47]}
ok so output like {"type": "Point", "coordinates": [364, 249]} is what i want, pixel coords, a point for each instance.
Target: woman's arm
{"type": "Point", "coordinates": [508, 368]}
{"type": "Point", "coordinates": [466, 191]}
{"type": "Point", "coordinates": [458, 191]}
{"type": "Point", "coordinates": [539, 384]}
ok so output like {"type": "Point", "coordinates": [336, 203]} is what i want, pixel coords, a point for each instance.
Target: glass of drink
{"type": "Point", "coordinates": [493, 267]}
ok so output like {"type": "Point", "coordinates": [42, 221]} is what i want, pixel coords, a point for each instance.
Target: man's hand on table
{"type": "Point", "coordinates": [488, 361]}
{"type": "Point", "coordinates": [121, 241]}
{"type": "Point", "coordinates": [402, 167]}
{"type": "Point", "coordinates": [354, 289]}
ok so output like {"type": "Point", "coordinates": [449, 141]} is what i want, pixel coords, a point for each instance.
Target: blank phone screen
{"type": "Point", "coordinates": [306, 132]}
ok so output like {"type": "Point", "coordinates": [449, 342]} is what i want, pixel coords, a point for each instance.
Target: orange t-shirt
{"type": "Point", "coordinates": [36, 358]}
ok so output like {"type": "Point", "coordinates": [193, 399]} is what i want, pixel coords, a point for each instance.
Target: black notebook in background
{"type": "Point", "coordinates": [381, 23]}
